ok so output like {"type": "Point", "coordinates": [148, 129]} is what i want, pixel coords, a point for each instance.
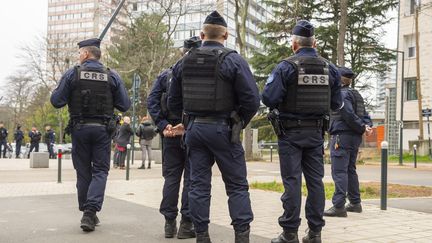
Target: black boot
{"type": "Point", "coordinates": [312, 237]}
{"type": "Point", "coordinates": [96, 220]}
{"type": "Point", "coordinates": [354, 207]}
{"type": "Point", "coordinates": [336, 212]}
{"type": "Point", "coordinates": [242, 237]}
{"type": "Point", "coordinates": [286, 237]}
{"type": "Point", "coordinates": [203, 237]}
{"type": "Point", "coordinates": [186, 230]}
{"type": "Point", "coordinates": [142, 167]}
{"type": "Point", "coordinates": [170, 228]}
{"type": "Point", "coordinates": [88, 222]}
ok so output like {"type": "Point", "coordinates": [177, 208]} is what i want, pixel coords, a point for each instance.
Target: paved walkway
{"type": "Point", "coordinates": [374, 225]}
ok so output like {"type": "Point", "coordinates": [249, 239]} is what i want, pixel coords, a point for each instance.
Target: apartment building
{"type": "Point", "coordinates": [407, 44]}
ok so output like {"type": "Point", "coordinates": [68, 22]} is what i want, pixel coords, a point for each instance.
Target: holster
{"type": "Point", "coordinates": [273, 117]}
{"type": "Point", "coordinates": [236, 127]}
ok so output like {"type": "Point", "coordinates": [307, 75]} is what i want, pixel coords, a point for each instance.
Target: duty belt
{"type": "Point", "coordinates": [211, 120]}
{"type": "Point", "coordinates": [287, 124]}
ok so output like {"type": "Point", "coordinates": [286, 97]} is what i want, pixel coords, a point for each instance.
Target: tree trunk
{"type": "Point", "coordinates": [241, 12]}
{"type": "Point", "coordinates": [342, 32]}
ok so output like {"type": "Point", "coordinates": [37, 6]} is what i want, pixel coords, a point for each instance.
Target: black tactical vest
{"type": "Point", "coordinates": [204, 88]}
{"type": "Point", "coordinates": [91, 98]}
{"type": "Point", "coordinates": [310, 92]}
{"type": "Point", "coordinates": [358, 105]}
{"type": "Point", "coordinates": [164, 98]}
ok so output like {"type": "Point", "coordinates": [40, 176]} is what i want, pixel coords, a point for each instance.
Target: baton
{"type": "Point", "coordinates": [105, 30]}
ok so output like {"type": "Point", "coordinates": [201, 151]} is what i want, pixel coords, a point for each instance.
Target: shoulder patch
{"type": "Point", "coordinates": [270, 79]}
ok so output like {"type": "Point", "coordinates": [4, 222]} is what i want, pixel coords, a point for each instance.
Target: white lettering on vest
{"type": "Point", "coordinates": [313, 79]}
{"type": "Point", "coordinates": [94, 76]}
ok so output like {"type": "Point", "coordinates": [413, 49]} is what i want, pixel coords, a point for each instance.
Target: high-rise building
{"type": "Point", "coordinates": [192, 14]}
{"type": "Point", "coordinates": [70, 21]}
{"type": "Point", "coordinates": [407, 44]}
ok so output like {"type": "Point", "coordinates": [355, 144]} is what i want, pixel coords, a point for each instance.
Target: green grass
{"type": "Point", "coordinates": [370, 190]}
{"type": "Point", "coordinates": [409, 158]}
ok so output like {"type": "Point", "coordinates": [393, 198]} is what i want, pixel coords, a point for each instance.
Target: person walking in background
{"type": "Point", "coordinates": [49, 140]}
{"type": "Point", "coordinates": [3, 140]}
{"type": "Point", "coordinates": [18, 137]}
{"type": "Point", "coordinates": [146, 133]}
{"type": "Point", "coordinates": [35, 137]}
{"type": "Point", "coordinates": [123, 139]}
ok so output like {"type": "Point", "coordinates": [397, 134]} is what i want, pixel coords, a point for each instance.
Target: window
{"type": "Point", "coordinates": [411, 51]}
{"type": "Point", "coordinates": [411, 88]}
{"type": "Point", "coordinates": [409, 45]}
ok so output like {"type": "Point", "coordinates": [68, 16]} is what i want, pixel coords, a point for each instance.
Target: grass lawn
{"type": "Point", "coordinates": [368, 190]}
{"type": "Point", "coordinates": [410, 158]}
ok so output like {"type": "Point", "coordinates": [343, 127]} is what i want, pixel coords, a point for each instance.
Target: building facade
{"type": "Point", "coordinates": [407, 44]}
{"type": "Point", "coordinates": [192, 13]}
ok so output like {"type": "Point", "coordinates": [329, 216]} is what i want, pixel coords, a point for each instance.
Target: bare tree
{"type": "Point", "coordinates": [342, 32]}
{"type": "Point", "coordinates": [19, 90]}
{"type": "Point", "coordinates": [241, 12]}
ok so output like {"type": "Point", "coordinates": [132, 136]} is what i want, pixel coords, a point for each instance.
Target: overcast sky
{"type": "Point", "coordinates": [22, 21]}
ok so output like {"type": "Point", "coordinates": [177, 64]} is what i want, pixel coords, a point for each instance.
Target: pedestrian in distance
{"type": "Point", "coordinates": [300, 92]}
{"type": "Point", "coordinates": [49, 140]}
{"type": "Point", "coordinates": [18, 137]}
{"type": "Point", "coordinates": [175, 162]}
{"type": "Point", "coordinates": [3, 140]}
{"type": "Point", "coordinates": [35, 138]}
{"type": "Point", "coordinates": [346, 129]}
{"type": "Point", "coordinates": [123, 139]}
{"type": "Point", "coordinates": [91, 92]}
{"type": "Point", "coordinates": [146, 133]}
{"type": "Point", "coordinates": [218, 102]}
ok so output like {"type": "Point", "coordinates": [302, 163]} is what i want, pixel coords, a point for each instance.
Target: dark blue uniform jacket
{"type": "Point", "coordinates": [61, 95]}
{"type": "Point", "coordinates": [285, 74]}
{"type": "Point", "coordinates": [235, 69]}
{"type": "Point", "coordinates": [351, 122]}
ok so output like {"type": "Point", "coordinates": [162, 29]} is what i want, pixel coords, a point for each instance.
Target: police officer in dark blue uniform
{"type": "Point", "coordinates": [91, 92]}
{"type": "Point", "coordinates": [211, 84]}
{"type": "Point", "coordinates": [346, 129]}
{"type": "Point", "coordinates": [49, 141]}
{"type": "Point", "coordinates": [302, 88]}
{"type": "Point", "coordinates": [35, 137]}
{"type": "Point", "coordinates": [3, 140]}
{"type": "Point", "coordinates": [174, 160]}
{"type": "Point", "coordinates": [18, 137]}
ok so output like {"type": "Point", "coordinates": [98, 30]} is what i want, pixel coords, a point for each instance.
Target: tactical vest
{"type": "Point", "coordinates": [310, 92]}
{"type": "Point", "coordinates": [204, 88]}
{"type": "Point", "coordinates": [164, 98]}
{"type": "Point", "coordinates": [358, 105]}
{"type": "Point", "coordinates": [91, 98]}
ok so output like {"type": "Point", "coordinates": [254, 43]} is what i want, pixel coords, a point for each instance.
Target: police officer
{"type": "Point", "coordinates": [224, 87]}
{"type": "Point", "coordinates": [174, 162]}
{"type": "Point", "coordinates": [91, 92]}
{"type": "Point", "coordinates": [3, 139]}
{"type": "Point", "coordinates": [18, 137]}
{"type": "Point", "coordinates": [35, 137]}
{"type": "Point", "coordinates": [346, 129]}
{"type": "Point", "coordinates": [49, 140]}
{"type": "Point", "coordinates": [303, 88]}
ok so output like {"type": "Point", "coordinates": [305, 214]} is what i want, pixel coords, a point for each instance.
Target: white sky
{"type": "Point", "coordinates": [22, 21]}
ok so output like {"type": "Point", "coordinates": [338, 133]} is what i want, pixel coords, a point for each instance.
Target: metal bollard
{"type": "Point", "coordinates": [128, 161]}
{"type": "Point", "coordinates": [415, 155]}
{"type": "Point", "coordinates": [384, 157]}
{"type": "Point", "coordinates": [271, 153]}
{"type": "Point", "coordinates": [59, 167]}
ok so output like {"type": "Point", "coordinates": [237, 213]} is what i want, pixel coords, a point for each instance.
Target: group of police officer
{"type": "Point", "coordinates": [200, 105]}
{"type": "Point", "coordinates": [35, 137]}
